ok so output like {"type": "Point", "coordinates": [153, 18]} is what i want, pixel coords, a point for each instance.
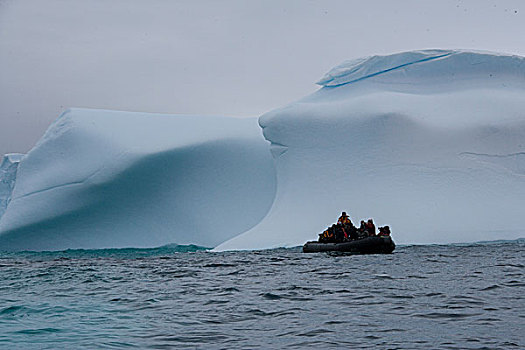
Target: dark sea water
{"type": "Point", "coordinates": [419, 297]}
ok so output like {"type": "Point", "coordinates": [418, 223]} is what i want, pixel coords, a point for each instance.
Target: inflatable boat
{"type": "Point", "coordinates": [368, 245]}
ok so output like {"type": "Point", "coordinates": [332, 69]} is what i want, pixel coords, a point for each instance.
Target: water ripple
{"type": "Point", "coordinates": [442, 297]}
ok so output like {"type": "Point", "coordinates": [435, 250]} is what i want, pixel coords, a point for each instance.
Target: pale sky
{"type": "Point", "coordinates": [238, 58]}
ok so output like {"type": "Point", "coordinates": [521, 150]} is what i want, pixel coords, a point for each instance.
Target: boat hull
{"type": "Point", "coordinates": [369, 245]}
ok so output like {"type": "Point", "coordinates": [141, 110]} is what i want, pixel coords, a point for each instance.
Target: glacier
{"type": "Point", "coordinates": [429, 142]}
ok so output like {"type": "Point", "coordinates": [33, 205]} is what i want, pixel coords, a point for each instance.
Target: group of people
{"type": "Point", "coordinates": [345, 230]}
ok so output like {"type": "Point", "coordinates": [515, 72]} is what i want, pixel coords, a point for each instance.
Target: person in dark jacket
{"type": "Point", "coordinates": [370, 227]}
{"type": "Point", "coordinates": [362, 227]}
{"type": "Point", "coordinates": [339, 234]}
{"type": "Point", "coordinates": [351, 230]}
{"type": "Point", "coordinates": [384, 231]}
{"type": "Point", "coordinates": [331, 234]}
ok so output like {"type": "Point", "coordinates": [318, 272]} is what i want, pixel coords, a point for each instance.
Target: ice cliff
{"type": "Point", "coordinates": [101, 179]}
{"type": "Point", "coordinates": [430, 142]}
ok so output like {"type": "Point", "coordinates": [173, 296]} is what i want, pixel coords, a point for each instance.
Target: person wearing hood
{"type": "Point", "coordinates": [344, 219]}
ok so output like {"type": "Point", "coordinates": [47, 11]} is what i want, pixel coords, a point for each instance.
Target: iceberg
{"type": "Point", "coordinates": [109, 179]}
{"type": "Point", "coordinates": [430, 142]}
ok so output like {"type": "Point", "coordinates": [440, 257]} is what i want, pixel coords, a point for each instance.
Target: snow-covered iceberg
{"type": "Point", "coordinates": [100, 179]}
{"type": "Point", "coordinates": [430, 142]}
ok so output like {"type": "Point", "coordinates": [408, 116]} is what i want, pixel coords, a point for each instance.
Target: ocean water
{"type": "Point", "coordinates": [419, 297]}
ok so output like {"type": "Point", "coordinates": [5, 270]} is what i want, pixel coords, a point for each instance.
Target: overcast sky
{"type": "Point", "coordinates": [239, 58]}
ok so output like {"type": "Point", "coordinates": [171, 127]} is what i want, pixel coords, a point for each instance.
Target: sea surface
{"type": "Point", "coordinates": [419, 297]}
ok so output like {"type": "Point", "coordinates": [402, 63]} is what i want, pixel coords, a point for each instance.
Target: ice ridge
{"type": "Point", "coordinates": [459, 60]}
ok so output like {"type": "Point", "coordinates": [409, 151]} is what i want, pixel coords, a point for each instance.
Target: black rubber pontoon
{"type": "Point", "coordinates": [369, 245]}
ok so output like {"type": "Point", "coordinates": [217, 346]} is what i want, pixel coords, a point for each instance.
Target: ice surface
{"type": "Point", "coordinates": [101, 179]}
{"type": "Point", "coordinates": [8, 169]}
{"type": "Point", "coordinates": [430, 142]}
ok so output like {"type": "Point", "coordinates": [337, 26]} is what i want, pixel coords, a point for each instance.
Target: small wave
{"type": "Point", "coordinates": [448, 315]}
{"type": "Point", "coordinates": [390, 330]}
{"type": "Point", "coordinates": [16, 310]}
{"type": "Point", "coordinates": [295, 287]}
{"type": "Point", "coordinates": [271, 296]}
{"type": "Point", "coordinates": [216, 302]}
{"type": "Point", "coordinates": [20, 310]}
{"type": "Point", "coordinates": [372, 337]}
{"type": "Point", "coordinates": [520, 241]}
{"type": "Point", "coordinates": [191, 339]}
{"type": "Point", "coordinates": [335, 322]}
{"type": "Point", "coordinates": [365, 296]}
{"type": "Point", "coordinates": [259, 312]}
{"type": "Point", "coordinates": [122, 300]}
{"type": "Point", "coordinates": [492, 287]}
{"type": "Point", "coordinates": [490, 309]}
{"type": "Point", "coordinates": [181, 248]}
{"type": "Point", "coordinates": [441, 255]}
{"type": "Point", "coordinates": [511, 265]}
{"type": "Point", "coordinates": [220, 265]}
{"type": "Point", "coordinates": [499, 241]}
{"type": "Point", "coordinates": [507, 343]}
{"type": "Point", "coordinates": [38, 331]}
{"type": "Point", "coordinates": [178, 273]}
{"type": "Point", "coordinates": [131, 253]}
{"type": "Point", "coordinates": [514, 283]}
{"type": "Point", "coordinates": [315, 332]}
{"type": "Point", "coordinates": [395, 296]}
